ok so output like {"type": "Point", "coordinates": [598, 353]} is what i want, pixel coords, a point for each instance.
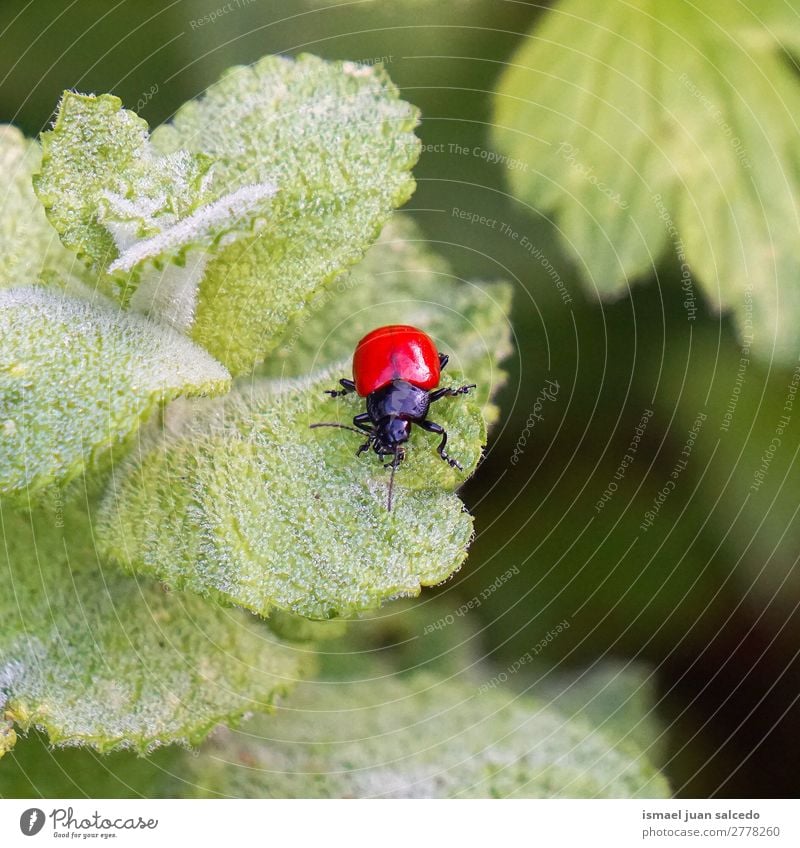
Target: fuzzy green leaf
{"type": "Point", "coordinates": [243, 501]}
{"type": "Point", "coordinates": [336, 141]}
{"type": "Point", "coordinates": [8, 736]}
{"type": "Point", "coordinates": [77, 377]}
{"type": "Point", "coordinates": [144, 221]}
{"type": "Point", "coordinates": [400, 277]}
{"type": "Point", "coordinates": [97, 658]}
{"type": "Point", "coordinates": [424, 738]}
{"type": "Point", "coordinates": [29, 246]}
{"type": "Point", "coordinates": [644, 126]}
{"type": "Point", "coordinates": [103, 185]}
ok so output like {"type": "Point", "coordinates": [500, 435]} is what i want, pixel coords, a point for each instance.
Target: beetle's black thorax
{"type": "Point", "coordinates": [398, 399]}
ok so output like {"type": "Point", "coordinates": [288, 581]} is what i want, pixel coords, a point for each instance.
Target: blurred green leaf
{"type": "Point", "coordinates": [77, 377]}
{"type": "Point", "coordinates": [100, 659]}
{"type": "Point", "coordinates": [402, 638]}
{"type": "Point", "coordinates": [617, 698]}
{"type": "Point", "coordinates": [295, 628]}
{"type": "Point", "coordinates": [645, 126]}
{"type": "Point", "coordinates": [419, 737]}
{"type": "Point", "coordinates": [445, 633]}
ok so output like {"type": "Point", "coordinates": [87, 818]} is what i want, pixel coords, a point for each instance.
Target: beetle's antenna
{"type": "Point", "coordinates": [391, 482]}
{"type": "Point", "coordinates": [340, 426]}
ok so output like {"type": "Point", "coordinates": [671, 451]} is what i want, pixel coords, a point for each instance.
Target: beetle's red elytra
{"type": "Point", "coordinates": [395, 352]}
{"type": "Point", "coordinates": [397, 369]}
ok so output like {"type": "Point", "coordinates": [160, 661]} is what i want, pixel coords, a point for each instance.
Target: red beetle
{"type": "Point", "coordinates": [396, 368]}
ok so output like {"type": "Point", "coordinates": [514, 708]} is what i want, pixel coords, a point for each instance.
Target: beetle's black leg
{"type": "Point", "coordinates": [443, 360]}
{"type": "Point", "coordinates": [363, 422]}
{"type": "Point", "coordinates": [349, 386]}
{"type": "Point", "coordinates": [433, 427]}
{"type": "Point", "coordinates": [437, 394]}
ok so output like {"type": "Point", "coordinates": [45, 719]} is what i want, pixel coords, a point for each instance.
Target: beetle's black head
{"type": "Point", "coordinates": [390, 434]}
